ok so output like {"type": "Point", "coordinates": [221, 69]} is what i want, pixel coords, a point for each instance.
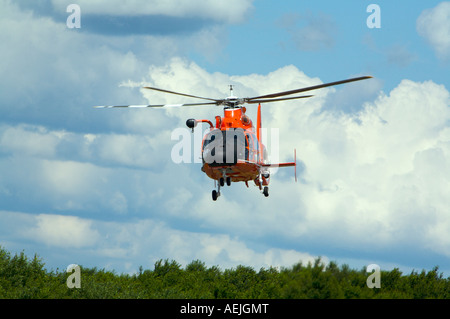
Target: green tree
{"type": "Point", "coordinates": [23, 277]}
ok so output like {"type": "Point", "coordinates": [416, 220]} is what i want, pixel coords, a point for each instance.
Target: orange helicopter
{"type": "Point", "coordinates": [232, 150]}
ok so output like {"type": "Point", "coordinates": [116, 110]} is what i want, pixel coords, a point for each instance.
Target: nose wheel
{"type": "Point", "coordinates": [216, 193]}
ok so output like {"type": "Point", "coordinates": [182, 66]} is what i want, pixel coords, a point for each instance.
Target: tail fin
{"type": "Point", "coordinates": [258, 133]}
{"type": "Point", "coordinates": [258, 123]}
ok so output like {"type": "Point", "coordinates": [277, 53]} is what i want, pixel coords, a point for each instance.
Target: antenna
{"type": "Point", "coordinates": [231, 89]}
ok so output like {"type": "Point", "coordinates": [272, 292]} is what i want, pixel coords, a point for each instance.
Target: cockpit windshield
{"type": "Point", "coordinates": [225, 147]}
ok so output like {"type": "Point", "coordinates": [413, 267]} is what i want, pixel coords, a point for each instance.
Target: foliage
{"type": "Point", "coordinates": [22, 277]}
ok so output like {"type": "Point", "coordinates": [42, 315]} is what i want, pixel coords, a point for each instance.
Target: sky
{"type": "Point", "coordinates": [99, 188]}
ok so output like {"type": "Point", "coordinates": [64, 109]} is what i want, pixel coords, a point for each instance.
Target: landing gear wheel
{"type": "Point", "coordinates": [266, 191]}
{"type": "Point", "coordinates": [228, 181]}
{"type": "Point", "coordinates": [221, 181]}
{"type": "Point", "coordinates": [214, 195]}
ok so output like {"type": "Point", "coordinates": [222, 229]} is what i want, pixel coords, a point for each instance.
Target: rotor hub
{"type": "Point", "coordinates": [232, 102]}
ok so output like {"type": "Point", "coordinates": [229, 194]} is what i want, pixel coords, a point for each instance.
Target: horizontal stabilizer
{"type": "Point", "coordinates": [294, 163]}
{"type": "Point", "coordinates": [279, 165]}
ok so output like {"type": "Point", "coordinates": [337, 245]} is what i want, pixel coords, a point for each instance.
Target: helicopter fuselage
{"type": "Point", "coordinates": [232, 151]}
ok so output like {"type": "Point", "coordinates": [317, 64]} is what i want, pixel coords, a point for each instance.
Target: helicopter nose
{"type": "Point", "coordinates": [214, 155]}
{"type": "Point", "coordinates": [224, 154]}
{"type": "Point", "coordinates": [207, 156]}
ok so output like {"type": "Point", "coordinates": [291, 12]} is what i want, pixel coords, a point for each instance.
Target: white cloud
{"type": "Point", "coordinates": [73, 186]}
{"type": "Point", "coordinates": [29, 140]}
{"type": "Point", "coordinates": [127, 245]}
{"type": "Point", "coordinates": [67, 178]}
{"type": "Point", "coordinates": [372, 182]}
{"type": "Point", "coordinates": [63, 231]}
{"type": "Point", "coordinates": [46, 62]}
{"type": "Point", "coordinates": [50, 65]}
{"type": "Point", "coordinates": [230, 11]}
{"type": "Point", "coordinates": [434, 25]}
{"type": "Point", "coordinates": [133, 150]}
{"type": "Point", "coordinates": [149, 241]}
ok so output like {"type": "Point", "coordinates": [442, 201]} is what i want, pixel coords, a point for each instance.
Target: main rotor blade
{"type": "Point", "coordinates": [183, 94]}
{"type": "Point", "coordinates": [144, 106]}
{"type": "Point", "coordinates": [315, 87]}
{"type": "Point", "coordinates": [276, 100]}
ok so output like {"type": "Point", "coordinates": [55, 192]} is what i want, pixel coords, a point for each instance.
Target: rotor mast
{"type": "Point", "coordinates": [232, 102]}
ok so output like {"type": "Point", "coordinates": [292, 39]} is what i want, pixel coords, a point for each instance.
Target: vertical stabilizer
{"type": "Point", "coordinates": [258, 134]}
{"type": "Point", "coordinates": [258, 123]}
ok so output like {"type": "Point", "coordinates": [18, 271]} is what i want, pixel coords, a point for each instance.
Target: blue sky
{"type": "Point", "coordinates": [97, 187]}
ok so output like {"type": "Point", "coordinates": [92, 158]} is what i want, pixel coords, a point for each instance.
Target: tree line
{"type": "Point", "coordinates": [24, 277]}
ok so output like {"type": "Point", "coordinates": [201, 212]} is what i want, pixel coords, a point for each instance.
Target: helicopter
{"type": "Point", "coordinates": [232, 149]}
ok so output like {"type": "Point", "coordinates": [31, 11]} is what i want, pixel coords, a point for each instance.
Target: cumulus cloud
{"type": "Point", "coordinates": [178, 19]}
{"type": "Point", "coordinates": [147, 241]}
{"type": "Point", "coordinates": [231, 11]}
{"type": "Point", "coordinates": [63, 231]}
{"type": "Point", "coordinates": [434, 25]}
{"type": "Point", "coordinates": [128, 245]}
{"type": "Point", "coordinates": [132, 150]}
{"type": "Point", "coordinates": [29, 140]}
{"type": "Point", "coordinates": [48, 62]}
{"type": "Point", "coordinates": [56, 74]}
{"type": "Point", "coordinates": [67, 171]}
{"type": "Point", "coordinates": [366, 168]}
